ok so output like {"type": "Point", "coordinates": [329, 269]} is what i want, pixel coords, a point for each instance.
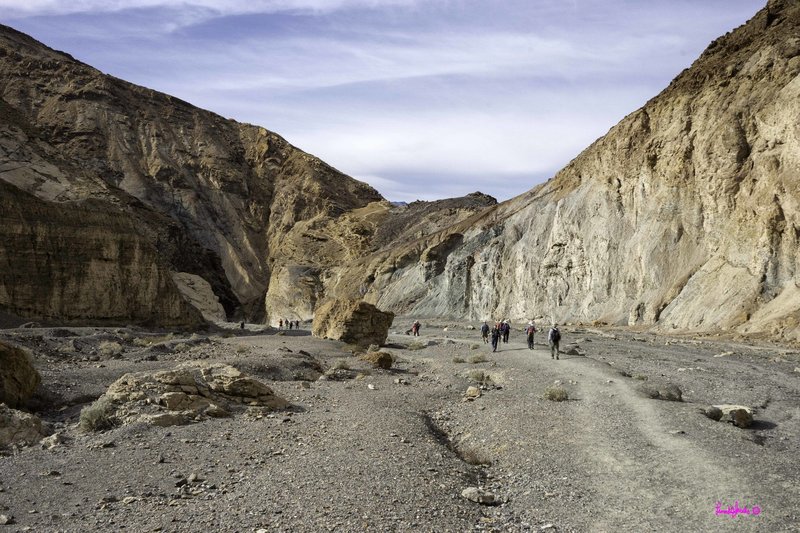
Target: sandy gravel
{"type": "Point", "coordinates": [392, 450]}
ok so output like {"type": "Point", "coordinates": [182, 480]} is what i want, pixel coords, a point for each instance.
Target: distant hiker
{"type": "Point", "coordinates": [529, 331]}
{"type": "Point", "coordinates": [280, 323]}
{"type": "Point", "coordinates": [241, 326]}
{"type": "Point", "coordinates": [485, 332]}
{"type": "Point", "coordinates": [496, 334]}
{"type": "Point", "coordinates": [415, 328]}
{"type": "Point", "coordinates": [296, 324]}
{"type": "Point", "coordinates": [291, 324]}
{"type": "Point", "coordinates": [553, 338]}
{"type": "Point", "coordinates": [506, 330]}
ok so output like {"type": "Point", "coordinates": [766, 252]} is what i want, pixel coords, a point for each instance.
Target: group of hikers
{"type": "Point", "coordinates": [289, 324]}
{"type": "Point", "coordinates": [502, 329]}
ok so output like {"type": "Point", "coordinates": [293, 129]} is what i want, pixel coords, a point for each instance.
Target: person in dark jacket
{"type": "Point", "coordinates": [530, 331]}
{"type": "Point", "coordinates": [496, 334]}
{"type": "Point", "coordinates": [485, 332]}
{"type": "Point", "coordinates": [554, 338]}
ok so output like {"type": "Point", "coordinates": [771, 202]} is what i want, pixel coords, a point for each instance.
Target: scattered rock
{"type": "Point", "coordinates": [474, 494]}
{"type": "Point", "coordinates": [6, 520]}
{"type": "Point", "coordinates": [573, 349]}
{"type": "Point", "coordinates": [378, 359]}
{"type": "Point", "coordinates": [192, 391]}
{"type": "Point", "coordinates": [669, 392]}
{"type": "Point", "coordinates": [713, 412]}
{"type": "Point", "coordinates": [472, 393]}
{"type": "Point", "coordinates": [739, 415]}
{"type": "Point", "coordinates": [724, 354]}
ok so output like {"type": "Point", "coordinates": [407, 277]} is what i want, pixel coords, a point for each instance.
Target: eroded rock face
{"type": "Point", "coordinates": [192, 391]}
{"type": "Point", "coordinates": [18, 377]}
{"type": "Point", "coordinates": [685, 215]}
{"type": "Point", "coordinates": [352, 321]}
{"type": "Point", "coordinates": [207, 196]}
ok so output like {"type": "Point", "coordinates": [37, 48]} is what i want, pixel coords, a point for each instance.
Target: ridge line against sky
{"type": "Point", "coordinates": [423, 99]}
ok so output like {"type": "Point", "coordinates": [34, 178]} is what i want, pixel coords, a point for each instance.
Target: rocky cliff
{"type": "Point", "coordinates": [685, 215]}
{"type": "Point", "coordinates": [118, 198]}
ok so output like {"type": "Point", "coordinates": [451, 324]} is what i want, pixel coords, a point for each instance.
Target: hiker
{"type": "Point", "coordinates": [280, 323]}
{"type": "Point", "coordinates": [506, 330]}
{"type": "Point", "coordinates": [415, 328]}
{"type": "Point", "coordinates": [291, 324]}
{"type": "Point", "coordinates": [496, 334]}
{"type": "Point", "coordinates": [296, 324]}
{"type": "Point", "coordinates": [241, 326]}
{"type": "Point", "coordinates": [485, 332]}
{"type": "Point", "coordinates": [530, 330]}
{"type": "Point", "coordinates": [553, 338]}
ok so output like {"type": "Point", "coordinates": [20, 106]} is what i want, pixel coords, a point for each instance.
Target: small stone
{"type": "Point", "coordinates": [194, 478]}
{"type": "Point", "coordinates": [6, 520]}
{"type": "Point", "coordinates": [713, 412]}
{"type": "Point", "coordinates": [473, 392]}
{"type": "Point", "coordinates": [483, 497]}
{"type": "Point", "coordinates": [181, 482]}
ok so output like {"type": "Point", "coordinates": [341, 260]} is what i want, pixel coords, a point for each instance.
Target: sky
{"type": "Point", "coordinates": [422, 99]}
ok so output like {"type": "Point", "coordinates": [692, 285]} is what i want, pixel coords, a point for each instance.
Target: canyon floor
{"type": "Point", "coordinates": [365, 449]}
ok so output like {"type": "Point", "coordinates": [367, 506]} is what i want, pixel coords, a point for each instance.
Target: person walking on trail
{"type": "Point", "coordinates": [485, 332]}
{"type": "Point", "coordinates": [554, 338]}
{"type": "Point", "coordinates": [496, 334]}
{"type": "Point", "coordinates": [529, 331]}
{"type": "Point", "coordinates": [415, 328]}
{"type": "Point", "coordinates": [506, 330]}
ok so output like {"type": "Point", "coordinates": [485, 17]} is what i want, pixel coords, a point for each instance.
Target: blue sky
{"type": "Point", "coordinates": [423, 99]}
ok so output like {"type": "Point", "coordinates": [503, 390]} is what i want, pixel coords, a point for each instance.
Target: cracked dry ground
{"type": "Point", "coordinates": [393, 450]}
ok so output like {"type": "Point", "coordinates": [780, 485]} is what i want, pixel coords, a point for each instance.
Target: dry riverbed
{"type": "Point", "coordinates": [366, 449]}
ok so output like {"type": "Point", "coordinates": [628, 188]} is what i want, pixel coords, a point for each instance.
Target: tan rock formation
{"type": "Point", "coordinates": [192, 391]}
{"type": "Point", "coordinates": [18, 377]}
{"type": "Point", "coordinates": [352, 321]}
{"type": "Point", "coordinates": [19, 429]}
{"type": "Point", "coordinates": [215, 198]}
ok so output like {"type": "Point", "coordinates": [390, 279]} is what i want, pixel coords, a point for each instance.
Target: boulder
{"type": "Point", "coordinates": [351, 321]}
{"type": "Point", "coordinates": [739, 415]}
{"type": "Point", "coordinates": [191, 391]}
{"type": "Point", "coordinates": [19, 429]}
{"type": "Point", "coordinates": [18, 377]}
{"type": "Point", "coordinates": [378, 359]}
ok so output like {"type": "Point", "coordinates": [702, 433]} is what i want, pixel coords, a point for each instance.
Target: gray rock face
{"type": "Point", "coordinates": [352, 321]}
{"type": "Point", "coordinates": [685, 215]}
{"type": "Point", "coordinates": [18, 377]}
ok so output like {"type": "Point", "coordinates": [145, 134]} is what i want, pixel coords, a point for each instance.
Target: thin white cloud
{"type": "Point", "coordinates": [213, 8]}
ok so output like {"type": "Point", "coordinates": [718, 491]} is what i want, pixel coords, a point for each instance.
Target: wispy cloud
{"type": "Point", "coordinates": [210, 8]}
{"type": "Point", "coordinates": [421, 98]}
